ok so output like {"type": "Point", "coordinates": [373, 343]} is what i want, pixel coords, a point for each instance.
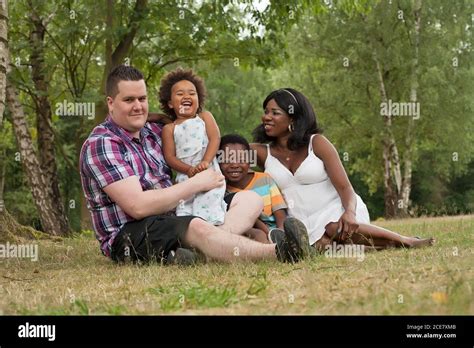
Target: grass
{"type": "Point", "coordinates": [72, 277]}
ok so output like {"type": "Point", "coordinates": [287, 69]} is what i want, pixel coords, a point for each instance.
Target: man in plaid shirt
{"type": "Point", "coordinates": [129, 192]}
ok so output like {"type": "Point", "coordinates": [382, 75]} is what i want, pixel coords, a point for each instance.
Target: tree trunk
{"type": "Point", "coordinates": [3, 55]}
{"type": "Point", "coordinates": [408, 155]}
{"type": "Point", "coordinates": [392, 193]}
{"type": "Point", "coordinates": [45, 134]}
{"type": "Point", "coordinates": [48, 214]}
{"type": "Point", "coordinates": [10, 229]}
{"type": "Point", "coordinates": [3, 82]}
{"type": "Point", "coordinates": [2, 179]}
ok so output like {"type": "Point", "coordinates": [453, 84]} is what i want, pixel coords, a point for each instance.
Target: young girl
{"type": "Point", "coordinates": [191, 141]}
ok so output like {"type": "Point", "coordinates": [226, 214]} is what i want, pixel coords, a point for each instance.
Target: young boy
{"type": "Point", "coordinates": [234, 161]}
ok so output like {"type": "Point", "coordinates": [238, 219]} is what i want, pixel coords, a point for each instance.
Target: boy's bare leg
{"type": "Point", "coordinates": [244, 210]}
{"type": "Point", "coordinates": [258, 235]}
{"type": "Point", "coordinates": [224, 246]}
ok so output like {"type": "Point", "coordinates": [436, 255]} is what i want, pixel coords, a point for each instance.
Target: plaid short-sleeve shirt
{"type": "Point", "coordinates": [111, 154]}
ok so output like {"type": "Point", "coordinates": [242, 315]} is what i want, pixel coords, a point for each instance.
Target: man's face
{"type": "Point", "coordinates": [129, 108]}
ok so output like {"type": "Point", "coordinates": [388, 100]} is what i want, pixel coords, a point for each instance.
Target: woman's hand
{"type": "Point", "coordinates": [347, 225]}
{"type": "Point", "coordinates": [202, 166]}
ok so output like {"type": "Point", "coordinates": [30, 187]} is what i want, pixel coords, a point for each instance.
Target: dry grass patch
{"type": "Point", "coordinates": [72, 277]}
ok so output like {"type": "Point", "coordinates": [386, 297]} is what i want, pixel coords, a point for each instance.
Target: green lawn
{"type": "Point", "coordinates": [72, 277]}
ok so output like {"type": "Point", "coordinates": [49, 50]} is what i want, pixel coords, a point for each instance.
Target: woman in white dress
{"type": "Point", "coordinates": [307, 169]}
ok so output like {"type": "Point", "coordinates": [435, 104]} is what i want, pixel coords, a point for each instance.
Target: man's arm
{"type": "Point", "coordinates": [159, 118]}
{"type": "Point", "coordinates": [128, 194]}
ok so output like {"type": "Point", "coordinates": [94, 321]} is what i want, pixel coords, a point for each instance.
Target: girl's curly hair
{"type": "Point", "coordinates": [173, 77]}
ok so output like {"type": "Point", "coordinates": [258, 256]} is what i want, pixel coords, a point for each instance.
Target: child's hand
{"type": "Point", "coordinates": [202, 166]}
{"type": "Point", "coordinates": [192, 171]}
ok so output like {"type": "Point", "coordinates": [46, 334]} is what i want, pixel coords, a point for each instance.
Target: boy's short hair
{"type": "Point", "coordinates": [234, 139]}
{"type": "Point", "coordinates": [173, 77]}
{"type": "Point", "coordinates": [121, 73]}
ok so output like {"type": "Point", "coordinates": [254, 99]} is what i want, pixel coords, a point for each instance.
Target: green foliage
{"type": "Point", "coordinates": [331, 61]}
{"type": "Point", "coordinates": [168, 33]}
{"type": "Point", "coordinates": [235, 96]}
{"type": "Point", "coordinates": [244, 50]}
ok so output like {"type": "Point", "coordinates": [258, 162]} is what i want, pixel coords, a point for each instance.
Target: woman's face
{"type": "Point", "coordinates": [275, 120]}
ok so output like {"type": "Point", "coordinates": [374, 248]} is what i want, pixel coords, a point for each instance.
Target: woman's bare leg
{"type": "Point", "coordinates": [379, 237]}
{"type": "Point", "coordinates": [326, 241]}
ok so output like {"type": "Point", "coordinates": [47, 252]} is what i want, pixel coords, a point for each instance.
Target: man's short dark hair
{"type": "Point", "coordinates": [121, 73]}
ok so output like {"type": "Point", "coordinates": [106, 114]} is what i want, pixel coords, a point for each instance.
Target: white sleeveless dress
{"type": "Point", "coordinates": [310, 195]}
{"type": "Point", "coordinates": [191, 141]}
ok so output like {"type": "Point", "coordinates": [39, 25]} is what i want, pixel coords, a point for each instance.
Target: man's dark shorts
{"type": "Point", "coordinates": [228, 199]}
{"type": "Point", "coordinates": [150, 239]}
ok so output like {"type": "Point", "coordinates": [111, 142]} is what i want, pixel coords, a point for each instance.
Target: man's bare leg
{"type": "Point", "coordinates": [244, 210]}
{"type": "Point", "coordinates": [224, 246]}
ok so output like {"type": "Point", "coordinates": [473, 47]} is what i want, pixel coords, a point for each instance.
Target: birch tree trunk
{"type": "Point", "coordinates": [3, 81]}
{"type": "Point", "coordinates": [408, 155]}
{"type": "Point", "coordinates": [48, 213]}
{"type": "Point", "coordinates": [45, 134]}
{"type": "Point", "coordinates": [390, 152]}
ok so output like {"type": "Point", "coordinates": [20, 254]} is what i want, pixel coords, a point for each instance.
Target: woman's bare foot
{"type": "Point", "coordinates": [417, 242]}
